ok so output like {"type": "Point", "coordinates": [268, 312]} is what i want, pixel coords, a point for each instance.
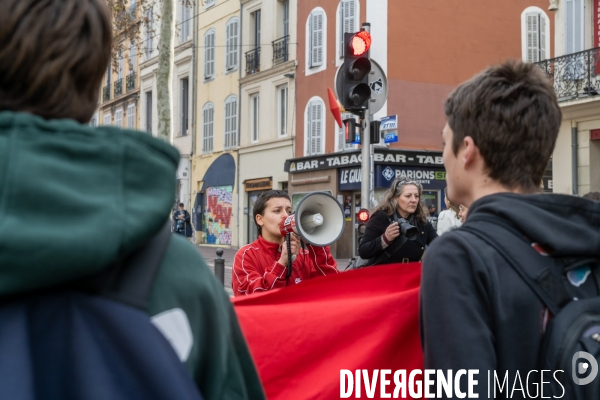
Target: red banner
{"type": "Point", "coordinates": [301, 337]}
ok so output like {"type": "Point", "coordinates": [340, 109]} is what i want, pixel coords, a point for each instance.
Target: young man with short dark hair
{"type": "Point", "coordinates": [262, 265]}
{"type": "Point", "coordinates": [477, 313]}
{"type": "Point", "coordinates": [87, 197]}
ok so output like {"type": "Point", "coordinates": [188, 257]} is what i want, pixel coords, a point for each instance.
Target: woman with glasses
{"type": "Point", "coordinates": [383, 242]}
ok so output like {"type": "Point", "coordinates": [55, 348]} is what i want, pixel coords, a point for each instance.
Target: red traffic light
{"type": "Point", "coordinates": [360, 43]}
{"type": "Point", "coordinates": [363, 215]}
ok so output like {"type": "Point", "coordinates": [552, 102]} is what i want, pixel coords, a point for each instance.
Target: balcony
{"type": "Point", "coordinates": [106, 93]}
{"type": "Point", "coordinates": [130, 82]}
{"type": "Point", "coordinates": [118, 87]}
{"type": "Point", "coordinates": [253, 61]}
{"type": "Point", "coordinates": [280, 50]}
{"type": "Point", "coordinates": [575, 75]}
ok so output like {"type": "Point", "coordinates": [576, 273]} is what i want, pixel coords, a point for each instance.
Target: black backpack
{"type": "Point", "coordinates": [92, 339]}
{"type": "Point", "coordinates": [571, 342]}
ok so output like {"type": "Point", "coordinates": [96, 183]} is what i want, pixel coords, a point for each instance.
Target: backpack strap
{"type": "Point", "coordinates": [389, 251]}
{"type": "Point", "coordinates": [540, 277]}
{"type": "Point", "coordinates": [130, 281]}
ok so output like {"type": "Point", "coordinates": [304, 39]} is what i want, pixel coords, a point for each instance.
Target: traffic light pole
{"type": "Point", "coordinates": [366, 182]}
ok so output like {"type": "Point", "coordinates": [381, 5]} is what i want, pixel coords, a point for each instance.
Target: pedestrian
{"type": "Point", "coordinates": [400, 207]}
{"type": "Point", "coordinates": [88, 198]}
{"type": "Point", "coordinates": [480, 308]}
{"type": "Point", "coordinates": [432, 211]}
{"type": "Point", "coordinates": [263, 264]}
{"type": "Point", "coordinates": [181, 222]}
{"type": "Point", "coordinates": [449, 218]}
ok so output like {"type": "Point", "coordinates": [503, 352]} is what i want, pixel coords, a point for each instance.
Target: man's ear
{"type": "Point", "coordinates": [471, 153]}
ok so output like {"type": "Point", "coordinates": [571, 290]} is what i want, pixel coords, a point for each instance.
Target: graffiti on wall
{"type": "Point", "coordinates": [217, 215]}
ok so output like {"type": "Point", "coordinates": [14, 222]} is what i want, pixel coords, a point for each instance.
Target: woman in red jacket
{"type": "Point", "coordinates": [262, 264]}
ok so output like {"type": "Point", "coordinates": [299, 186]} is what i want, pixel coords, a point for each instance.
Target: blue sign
{"type": "Point", "coordinates": [432, 178]}
{"type": "Point", "coordinates": [390, 137]}
{"type": "Point", "coordinates": [389, 123]}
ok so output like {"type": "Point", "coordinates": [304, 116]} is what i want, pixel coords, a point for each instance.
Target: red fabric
{"type": "Point", "coordinates": [256, 267]}
{"type": "Point", "coordinates": [301, 337]}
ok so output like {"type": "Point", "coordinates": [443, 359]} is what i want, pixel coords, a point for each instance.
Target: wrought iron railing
{"type": "Point", "coordinates": [253, 61]}
{"type": "Point", "coordinates": [280, 50]}
{"type": "Point", "coordinates": [118, 87]}
{"type": "Point", "coordinates": [106, 93]}
{"type": "Point", "coordinates": [130, 81]}
{"type": "Point", "coordinates": [574, 75]}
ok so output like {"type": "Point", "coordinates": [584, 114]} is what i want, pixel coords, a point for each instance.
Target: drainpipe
{"type": "Point", "coordinates": [239, 120]}
{"type": "Point", "coordinates": [574, 161]}
{"type": "Point", "coordinates": [194, 101]}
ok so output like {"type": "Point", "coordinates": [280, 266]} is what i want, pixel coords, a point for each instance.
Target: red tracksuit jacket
{"type": "Point", "coordinates": [256, 267]}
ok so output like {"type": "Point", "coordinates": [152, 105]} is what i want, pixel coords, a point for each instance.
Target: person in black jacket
{"type": "Point", "coordinates": [401, 200]}
{"type": "Point", "coordinates": [477, 313]}
{"type": "Point", "coordinates": [181, 222]}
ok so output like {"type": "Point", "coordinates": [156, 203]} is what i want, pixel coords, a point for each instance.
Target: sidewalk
{"type": "Point", "coordinates": [209, 254]}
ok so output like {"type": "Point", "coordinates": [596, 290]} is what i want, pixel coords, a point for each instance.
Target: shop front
{"type": "Point", "coordinates": [254, 188]}
{"type": "Point", "coordinates": [340, 174]}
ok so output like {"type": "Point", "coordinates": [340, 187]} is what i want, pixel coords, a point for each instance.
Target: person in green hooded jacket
{"type": "Point", "coordinates": [75, 198]}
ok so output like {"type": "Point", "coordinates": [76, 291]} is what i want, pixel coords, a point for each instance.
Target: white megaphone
{"type": "Point", "coordinates": [319, 220]}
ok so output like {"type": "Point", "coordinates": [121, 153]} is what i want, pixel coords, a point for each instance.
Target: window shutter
{"type": "Point", "coordinates": [574, 26]}
{"type": "Point", "coordinates": [542, 37]}
{"type": "Point", "coordinates": [315, 134]}
{"type": "Point", "coordinates": [316, 39]}
{"type": "Point", "coordinates": [532, 37]}
{"type": "Point", "coordinates": [318, 130]}
{"type": "Point", "coordinates": [234, 49]}
{"type": "Point", "coordinates": [228, 41]}
{"type": "Point", "coordinates": [206, 55]}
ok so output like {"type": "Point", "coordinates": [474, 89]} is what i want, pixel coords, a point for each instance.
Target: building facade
{"type": "Point", "coordinates": [267, 97]}
{"type": "Point", "coordinates": [182, 85]}
{"type": "Point", "coordinates": [422, 65]}
{"type": "Point", "coordinates": [575, 73]}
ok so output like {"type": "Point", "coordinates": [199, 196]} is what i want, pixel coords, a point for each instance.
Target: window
{"type": "Point", "coordinates": [535, 35]}
{"type": "Point", "coordinates": [209, 54]}
{"type": "Point", "coordinates": [132, 8]}
{"type": "Point", "coordinates": [341, 134]}
{"type": "Point", "coordinates": [94, 120]}
{"type": "Point", "coordinates": [231, 122]}
{"type": "Point", "coordinates": [282, 106]}
{"type": "Point", "coordinates": [257, 22]}
{"type": "Point", "coordinates": [149, 33]}
{"type": "Point", "coordinates": [186, 15]}
{"type": "Point", "coordinates": [207, 127]}
{"type": "Point", "coordinates": [108, 72]}
{"type": "Point", "coordinates": [149, 112]}
{"type": "Point", "coordinates": [120, 65]}
{"type": "Point", "coordinates": [119, 118]}
{"type": "Point", "coordinates": [131, 116]}
{"type": "Point", "coordinates": [314, 127]}
{"type": "Point", "coordinates": [133, 56]}
{"type": "Point", "coordinates": [231, 50]}
{"type": "Point", "coordinates": [316, 38]}
{"type": "Point", "coordinates": [286, 17]}
{"type": "Point", "coordinates": [209, 3]}
{"type": "Point", "coordinates": [184, 106]}
{"type": "Point", "coordinates": [574, 26]}
{"type": "Point", "coordinates": [254, 117]}
{"type": "Point", "coordinates": [107, 118]}
{"type": "Point", "coordinates": [347, 21]}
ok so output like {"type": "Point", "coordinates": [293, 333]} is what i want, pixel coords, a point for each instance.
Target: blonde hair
{"type": "Point", "coordinates": [389, 204]}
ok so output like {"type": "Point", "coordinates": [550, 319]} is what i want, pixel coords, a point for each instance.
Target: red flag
{"type": "Point", "coordinates": [303, 335]}
{"type": "Point", "coordinates": [334, 106]}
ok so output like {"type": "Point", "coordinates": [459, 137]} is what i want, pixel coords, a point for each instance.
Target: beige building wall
{"type": "Point", "coordinates": [582, 113]}
{"type": "Point", "coordinates": [216, 84]}
{"type": "Point", "coordinates": [266, 137]}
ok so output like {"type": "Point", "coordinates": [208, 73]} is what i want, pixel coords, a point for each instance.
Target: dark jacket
{"type": "Point", "coordinates": [106, 191]}
{"type": "Point", "coordinates": [187, 225]}
{"type": "Point", "coordinates": [476, 312]}
{"type": "Point", "coordinates": [370, 245]}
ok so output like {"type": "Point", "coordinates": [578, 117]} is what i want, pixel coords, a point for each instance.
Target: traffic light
{"type": "Point", "coordinates": [350, 132]}
{"type": "Point", "coordinates": [355, 91]}
{"type": "Point", "coordinates": [362, 217]}
{"type": "Point", "coordinates": [375, 132]}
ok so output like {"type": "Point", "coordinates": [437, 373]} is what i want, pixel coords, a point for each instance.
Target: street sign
{"type": "Point", "coordinates": [389, 123]}
{"type": "Point", "coordinates": [377, 82]}
{"type": "Point", "coordinates": [390, 137]}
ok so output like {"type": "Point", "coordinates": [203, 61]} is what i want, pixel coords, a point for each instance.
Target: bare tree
{"type": "Point", "coordinates": [128, 19]}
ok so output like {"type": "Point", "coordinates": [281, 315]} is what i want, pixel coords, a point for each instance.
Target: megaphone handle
{"type": "Point", "coordinates": [289, 253]}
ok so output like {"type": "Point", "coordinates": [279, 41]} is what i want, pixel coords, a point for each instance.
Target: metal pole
{"type": "Point", "coordinates": [365, 162]}
{"type": "Point", "coordinates": [574, 161]}
{"type": "Point", "coordinates": [371, 167]}
{"type": "Point", "coordinates": [220, 266]}
{"type": "Point", "coordinates": [365, 182]}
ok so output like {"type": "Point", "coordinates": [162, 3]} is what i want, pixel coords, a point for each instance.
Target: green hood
{"type": "Point", "coordinates": [74, 198]}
